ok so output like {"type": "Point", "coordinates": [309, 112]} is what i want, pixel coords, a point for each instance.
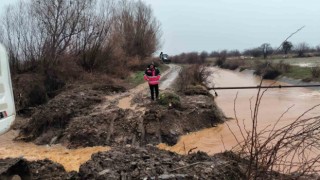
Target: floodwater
{"type": "Point", "coordinates": [274, 103]}
{"type": "Point", "coordinates": [71, 159]}
{"type": "Point", "coordinates": [211, 140]}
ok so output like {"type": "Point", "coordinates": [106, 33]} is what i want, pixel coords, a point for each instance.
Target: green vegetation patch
{"type": "Point", "coordinates": [137, 78]}
{"type": "Point", "coordinates": [169, 99]}
{"type": "Point", "coordinates": [297, 72]}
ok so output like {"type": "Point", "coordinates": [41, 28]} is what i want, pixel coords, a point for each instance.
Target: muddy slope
{"type": "Point", "coordinates": [158, 124]}
{"type": "Point", "coordinates": [50, 120]}
{"type": "Point", "coordinates": [152, 163]}
{"type": "Point", "coordinates": [36, 170]}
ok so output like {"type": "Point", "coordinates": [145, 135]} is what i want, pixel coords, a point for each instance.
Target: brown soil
{"type": "Point", "coordinates": [152, 163]}
{"type": "Point", "coordinates": [99, 115]}
{"type": "Point", "coordinates": [135, 163]}
{"type": "Point", "coordinates": [46, 169]}
{"type": "Point", "coordinates": [85, 116]}
{"type": "Point", "coordinates": [36, 170]}
{"type": "Point", "coordinates": [158, 124]}
{"type": "Point", "coordinates": [50, 120]}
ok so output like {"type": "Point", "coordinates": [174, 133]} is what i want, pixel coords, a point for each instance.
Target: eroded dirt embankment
{"type": "Point", "coordinates": [114, 126]}
{"type": "Point", "coordinates": [89, 116]}
{"type": "Point", "coordinates": [95, 115]}
{"type": "Point", "coordinates": [152, 163]}
{"type": "Point", "coordinates": [138, 163]}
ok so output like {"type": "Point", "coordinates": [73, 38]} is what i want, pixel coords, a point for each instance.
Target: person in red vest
{"type": "Point", "coordinates": [152, 75]}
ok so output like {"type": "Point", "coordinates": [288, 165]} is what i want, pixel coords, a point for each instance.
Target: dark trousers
{"type": "Point", "coordinates": [154, 89]}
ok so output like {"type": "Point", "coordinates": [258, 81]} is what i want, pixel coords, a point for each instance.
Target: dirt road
{"type": "Point", "coordinates": [170, 77]}
{"type": "Point", "coordinates": [140, 93]}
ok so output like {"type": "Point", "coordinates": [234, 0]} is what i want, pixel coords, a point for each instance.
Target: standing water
{"type": "Point", "coordinates": [274, 103]}
{"type": "Point", "coordinates": [71, 159]}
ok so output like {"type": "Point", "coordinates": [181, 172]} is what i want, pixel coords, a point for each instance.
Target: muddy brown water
{"type": "Point", "coordinates": [70, 159]}
{"type": "Point", "coordinates": [275, 102]}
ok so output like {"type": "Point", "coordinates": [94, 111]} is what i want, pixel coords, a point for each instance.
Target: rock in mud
{"type": "Point", "coordinates": [14, 166]}
{"type": "Point", "coordinates": [36, 170]}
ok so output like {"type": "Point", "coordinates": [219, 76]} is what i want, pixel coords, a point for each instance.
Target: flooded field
{"type": "Point", "coordinates": [275, 102]}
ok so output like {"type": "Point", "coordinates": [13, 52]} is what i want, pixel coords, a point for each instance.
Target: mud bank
{"type": "Point", "coordinates": [35, 170]}
{"type": "Point", "coordinates": [49, 121]}
{"type": "Point", "coordinates": [158, 124]}
{"type": "Point", "coordinates": [84, 117]}
{"type": "Point", "coordinates": [152, 163]}
{"type": "Point", "coordinates": [146, 163]}
{"type": "Point", "coordinates": [137, 163]}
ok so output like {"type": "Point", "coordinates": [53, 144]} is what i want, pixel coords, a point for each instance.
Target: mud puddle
{"type": "Point", "coordinates": [70, 159]}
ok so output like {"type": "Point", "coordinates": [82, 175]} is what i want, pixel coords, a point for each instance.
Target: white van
{"type": "Point", "coordinates": [7, 108]}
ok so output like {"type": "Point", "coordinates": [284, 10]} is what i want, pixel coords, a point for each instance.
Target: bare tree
{"type": "Point", "coordinates": [95, 39]}
{"type": "Point", "coordinates": [42, 33]}
{"type": "Point", "coordinates": [286, 46]}
{"type": "Point", "coordinates": [266, 49]}
{"type": "Point", "coordinates": [139, 29]}
{"type": "Point", "coordinates": [302, 48]}
{"type": "Point", "coordinates": [42, 30]}
{"type": "Point", "coordinates": [203, 56]}
{"type": "Point", "coordinates": [61, 20]}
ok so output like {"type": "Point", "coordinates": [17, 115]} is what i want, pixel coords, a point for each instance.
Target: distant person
{"type": "Point", "coordinates": [161, 56]}
{"type": "Point", "coordinates": [152, 75]}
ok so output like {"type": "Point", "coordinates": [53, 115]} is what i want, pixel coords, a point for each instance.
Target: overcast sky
{"type": "Point", "coordinates": [196, 25]}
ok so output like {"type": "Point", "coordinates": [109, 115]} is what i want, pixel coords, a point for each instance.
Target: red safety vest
{"type": "Point", "coordinates": [152, 76]}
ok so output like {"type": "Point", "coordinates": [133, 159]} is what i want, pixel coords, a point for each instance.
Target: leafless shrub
{"type": "Point", "coordinates": [286, 150]}
{"type": "Point", "coordinates": [193, 75]}
{"type": "Point", "coordinates": [188, 58]}
{"type": "Point", "coordinates": [232, 64]}
{"type": "Point", "coordinates": [315, 72]}
{"type": "Point", "coordinates": [301, 49]}
{"type": "Point", "coordinates": [221, 58]}
{"type": "Point", "coordinates": [267, 70]}
{"type": "Point", "coordinates": [283, 67]}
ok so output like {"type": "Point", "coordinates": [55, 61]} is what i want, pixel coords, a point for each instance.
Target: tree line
{"type": "Point", "coordinates": [95, 34]}
{"type": "Point", "coordinates": [264, 50]}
